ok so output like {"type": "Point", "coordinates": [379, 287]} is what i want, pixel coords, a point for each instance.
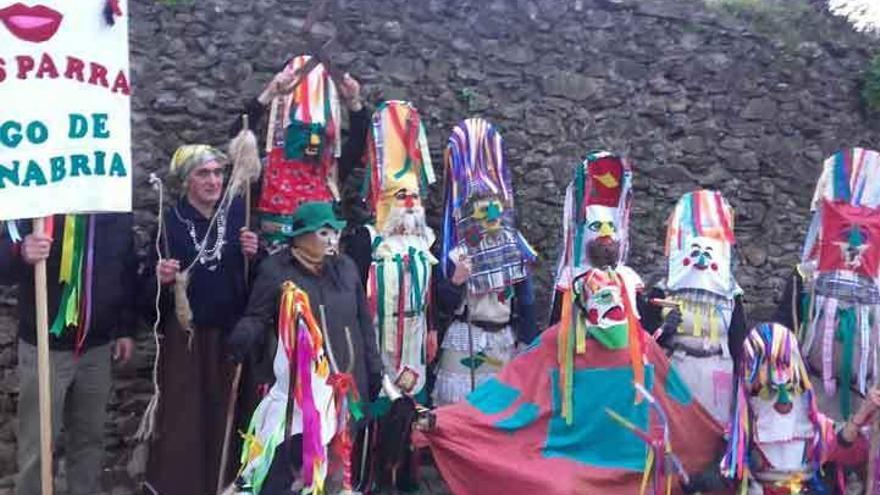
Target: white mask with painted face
{"type": "Point", "coordinates": [331, 239]}
{"type": "Point", "coordinates": [782, 437]}
{"type": "Point", "coordinates": [601, 222]}
{"type": "Point", "coordinates": [702, 263]}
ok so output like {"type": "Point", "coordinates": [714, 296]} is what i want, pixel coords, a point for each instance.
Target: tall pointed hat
{"type": "Point", "coordinates": [699, 244]}
{"type": "Point", "coordinates": [302, 146]}
{"type": "Point", "coordinates": [478, 192]}
{"type": "Point", "coordinates": [841, 268]}
{"type": "Point", "coordinates": [397, 156]}
{"type": "Point", "coordinates": [597, 203]}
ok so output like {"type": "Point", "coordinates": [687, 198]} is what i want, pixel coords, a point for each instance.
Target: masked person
{"type": "Point", "coordinates": [779, 440]}
{"type": "Point", "coordinates": [299, 119]}
{"type": "Point", "coordinates": [400, 276]}
{"type": "Point", "coordinates": [486, 279]}
{"type": "Point", "coordinates": [566, 416]}
{"type": "Point", "coordinates": [595, 223]}
{"type": "Point", "coordinates": [206, 246]}
{"type": "Point", "coordinates": [308, 292]}
{"type": "Point", "coordinates": [700, 315]}
{"type": "Point", "coordinates": [832, 300]}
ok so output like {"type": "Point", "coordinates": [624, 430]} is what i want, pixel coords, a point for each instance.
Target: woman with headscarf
{"type": "Point", "coordinates": [205, 245]}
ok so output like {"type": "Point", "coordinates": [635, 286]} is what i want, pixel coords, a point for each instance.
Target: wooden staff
{"type": "Point", "coordinates": [664, 303]}
{"type": "Point", "coordinates": [245, 125]}
{"type": "Point", "coordinates": [227, 435]}
{"type": "Point", "coordinates": [43, 374]}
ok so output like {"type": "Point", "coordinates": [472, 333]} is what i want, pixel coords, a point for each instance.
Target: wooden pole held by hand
{"type": "Point", "coordinates": [227, 435]}
{"type": "Point", "coordinates": [43, 371]}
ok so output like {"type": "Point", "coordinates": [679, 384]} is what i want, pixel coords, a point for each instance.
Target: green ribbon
{"type": "Point", "coordinates": [416, 294]}
{"type": "Point", "coordinates": [579, 185]}
{"type": "Point", "coordinates": [380, 301]}
{"type": "Point", "coordinates": [68, 308]}
{"type": "Point", "coordinates": [355, 408]}
{"type": "Point", "coordinates": [846, 336]}
{"type": "Point", "coordinates": [805, 313]}
{"type": "Point", "coordinates": [379, 407]}
{"type": "Point", "coordinates": [407, 166]}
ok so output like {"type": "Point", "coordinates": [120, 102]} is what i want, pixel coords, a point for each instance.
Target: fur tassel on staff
{"type": "Point", "coordinates": [245, 158]}
{"type": "Point", "coordinates": [246, 168]}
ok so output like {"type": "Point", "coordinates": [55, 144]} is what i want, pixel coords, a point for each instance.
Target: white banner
{"type": "Point", "coordinates": [65, 113]}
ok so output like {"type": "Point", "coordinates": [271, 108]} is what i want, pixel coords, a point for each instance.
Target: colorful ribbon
{"type": "Point", "coordinates": [70, 274]}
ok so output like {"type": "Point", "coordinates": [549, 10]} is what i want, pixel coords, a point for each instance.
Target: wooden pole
{"type": "Point", "coordinates": [43, 373]}
{"type": "Point", "coordinates": [230, 416]}
{"type": "Point", "coordinates": [247, 225]}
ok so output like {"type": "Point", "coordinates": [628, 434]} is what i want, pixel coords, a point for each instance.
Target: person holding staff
{"type": "Point", "coordinates": [90, 264]}
{"type": "Point", "coordinates": [207, 239]}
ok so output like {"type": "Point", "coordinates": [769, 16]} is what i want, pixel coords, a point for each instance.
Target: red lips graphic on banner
{"type": "Point", "coordinates": [850, 239]}
{"type": "Point", "coordinates": [35, 24]}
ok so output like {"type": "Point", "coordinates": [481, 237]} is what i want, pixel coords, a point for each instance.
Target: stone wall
{"type": "Point", "coordinates": [696, 97]}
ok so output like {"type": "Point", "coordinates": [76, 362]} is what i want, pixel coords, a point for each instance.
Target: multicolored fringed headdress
{"type": "Point", "coordinates": [597, 204]}
{"type": "Point", "coordinates": [598, 305]}
{"type": "Point", "coordinates": [771, 370]}
{"type": "Point", "coordinates": [397, 157]}
{"type": "Point", "coordinates": [699, 244]}
{"type": "Point", "coordinates": [479, 215]}
{"type": "Point", "coordinates": [840, 261]}
{"type": "Point", "coordinates": [302, 144]}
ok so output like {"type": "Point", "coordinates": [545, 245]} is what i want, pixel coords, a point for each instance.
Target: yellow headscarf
{"type": "Point", "coordinates": [190, 156]}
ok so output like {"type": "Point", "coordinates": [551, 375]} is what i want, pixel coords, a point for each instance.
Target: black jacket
{"type": "Point", "coordinates": [113, 283]}
{"type": "Point", "coordinates": [338, 289]}
{"type": "Point", "coordinates": [792, 302]}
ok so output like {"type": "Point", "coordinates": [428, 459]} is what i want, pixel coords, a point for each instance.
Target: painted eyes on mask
{"type": "Point", "coordinates": [489, 211]}
{"type": "Point", "coordinates": [701, 258]}
{"type": "Point", "coordinates": [599, 225]}
{"type": "Point", "coordinates": [772, 390]}
{"type": "Point", "coordinates": [604, 298]}
{"type": "Point", "coordinates": [326, 233]}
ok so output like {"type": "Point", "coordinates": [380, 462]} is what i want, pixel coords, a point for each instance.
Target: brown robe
{"type": "Point", "coordinates": [191, 419]}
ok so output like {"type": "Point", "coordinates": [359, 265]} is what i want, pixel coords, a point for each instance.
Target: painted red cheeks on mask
{"type": "Point", "coordinates": [593, 316]}
{"type": "Point", "coordinates": [615, 314]}
{"type": "Point", "coordinates": [686, 262]}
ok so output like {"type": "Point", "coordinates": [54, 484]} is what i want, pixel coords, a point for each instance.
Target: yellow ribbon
{"type": "Point", "coordinates": [713, 326]}
{"type": "Point", "coordinates": [696, 311]}
{"type": "Point", "coordinates": [580, 335]}
{"type": "Point", "coordinates": [649, 462]}
{"type": "Point", "coordinates": [67, 242]}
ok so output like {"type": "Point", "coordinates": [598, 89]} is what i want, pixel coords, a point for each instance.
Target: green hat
{"type": "Point", "coordinates": [311, 216]}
